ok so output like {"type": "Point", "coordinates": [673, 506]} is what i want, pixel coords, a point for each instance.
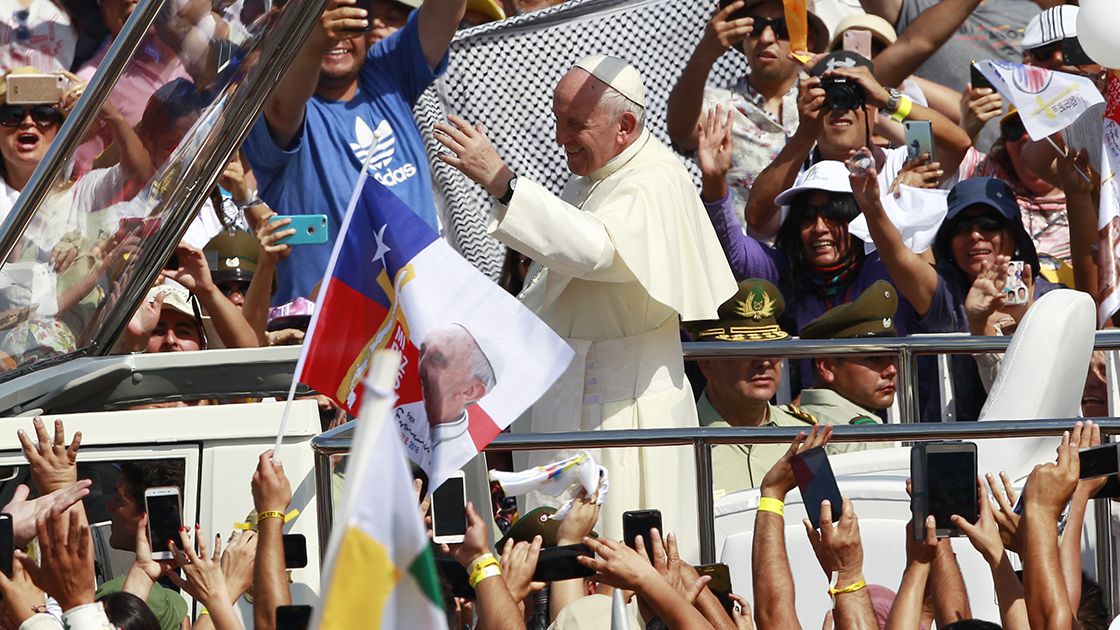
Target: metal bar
{"type": "Point", "coordinates": [705, 504]}
{"type": "Point", "coordinates": [337, 441]}
{"type": "Point", "coordinates": [74, 128]}
{"type": "Point", "coordinates": [325, 501]}
{"type": "Point", "coordinates": [906, 391]}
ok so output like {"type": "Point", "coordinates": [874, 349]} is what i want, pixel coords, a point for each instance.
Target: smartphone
{"type": "Point", "coordinates": [454, 575]}
{"type": "Point", "coordinates": [1015, 291]}
{"type": "Point", "coordinates": [943, 483]}
{"type": "Point", "coordinates": [165, 516]}
{"type": "Point", "coordinates": [7, 544]}
{"type": "Point", "coordinates": [311, 229]}
{"type": "Point", "coordinates": [1074, 54]}
{"type": "Point", "coordinates": [919, 139]}
{"type": "Point", "coordinates": [720, 584]}
{"type": "Point", "coordinates": [817, 483]}
{"type": "Point", "coordinates": [559, 563]}
{"type": "Point", "coordinates": [293, 617]}
{"type": "Point", "coordinates": [858, 41]}
{"type": "Point", "coordinates": [977, 78]}
{"type": "Point", "coordinates": [295, 551]}
{"type": "Point", "coordinates": [35, 89]}
{"type": "Point", "coordinates": [172, 262]}
{"type": "Point", "coordinates": [1100, 461]}
{"type": "Point", "coordinates": [639, 523]}
{"type": "Point", "coordinates": [739, 13]}
{"type": "Point", "coordinates": [449, 510]}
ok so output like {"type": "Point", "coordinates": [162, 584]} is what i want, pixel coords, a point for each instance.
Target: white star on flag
{"type": "Point", "coordinates": [382, 248]}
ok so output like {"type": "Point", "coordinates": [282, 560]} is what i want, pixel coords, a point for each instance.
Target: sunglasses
{"type": "Point", "coordinates": [781, 31]}
{"type": "Point", "coordinates": [42, 115]}
{"type": "Point", "coordinates": [809, 213]}
{"type": "Point", "coordinates": [229, 288]}
{"type": "Point", "coordinates": [1012, 130]}
{"type": "Point", "coordinates": [1045, 53]}
{"type": "Point", "coordinates": [985, 224]}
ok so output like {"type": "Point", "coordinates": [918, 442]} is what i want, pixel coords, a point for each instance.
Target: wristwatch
{"type": "Point", "coordinates": [893, 102]}
{"type": "Point", "coordinates": [508, 196]}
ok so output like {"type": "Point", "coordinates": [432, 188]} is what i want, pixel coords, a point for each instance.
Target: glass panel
{"type": "Point", "coordinates": [106, 211]}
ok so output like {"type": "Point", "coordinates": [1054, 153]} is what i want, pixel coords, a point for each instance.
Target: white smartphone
{"type": "Point", "coordinates": [449, 510]}
{"type": "Point", "coordinates": [164, 505]}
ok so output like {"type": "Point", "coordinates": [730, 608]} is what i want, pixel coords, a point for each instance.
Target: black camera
{"type": "Point", "coordinates": [841, 94]}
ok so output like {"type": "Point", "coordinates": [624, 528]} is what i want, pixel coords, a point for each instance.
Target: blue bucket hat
{"type": "Point", "coordinates": [995, 194]}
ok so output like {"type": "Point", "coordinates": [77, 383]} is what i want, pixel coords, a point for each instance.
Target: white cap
{"type": "Point", "coordinates": [616, 73]}
{"type": "Point", "coordinates": [828, 175]}
{"type": "Point", "coordinates": [1052, 25]}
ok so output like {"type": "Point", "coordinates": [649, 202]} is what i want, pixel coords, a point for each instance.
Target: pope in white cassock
{"type": "Point", "coordinates": [622, 255]}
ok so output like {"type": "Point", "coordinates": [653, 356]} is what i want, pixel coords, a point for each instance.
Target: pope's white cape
{"type": "Point", "coordinates": [379, 571]}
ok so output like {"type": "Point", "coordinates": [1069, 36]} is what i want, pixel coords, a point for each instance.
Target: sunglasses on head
{"type": "Point", "coordinates": [985, 224]}
{"type": "Point", "coordinates": [43, 115]}
{"type": "Point", "coordinates": [781, 31]}
{"type": "Point", "coordinates": [1012, 130]}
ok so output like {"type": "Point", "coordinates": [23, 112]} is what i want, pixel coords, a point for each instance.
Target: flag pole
{"type": "Point", "coordinates": [1065, 155]}
{"type": "Point", "coordinates": [318, 302]}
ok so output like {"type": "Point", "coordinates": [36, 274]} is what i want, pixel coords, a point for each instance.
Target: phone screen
{"type": "Point", "coordinates": [164, 520]}
{"type": "Point", "coordinates": [1100, 461]}
{"type": "Point", "coordinates": [720, 584]}
{"type": "Point", "coordinates": [978, 79]}
{"type": "Point", "coordinates": [952, 486]}
{"type": "Point", "coordinates": [639, 523]}
{"type": "Point", "coordinates": [7, 544]}
{"type": "Point", "coordinates": [293, 617]}
{"type": "Point", "coordinates": [559, 563]}
{"type": "Point", "coordinates": [449, 508]}
{"type": "Point", "coordinates": [919, 139]}
{"type": "Point", "coordinates": [295, 551]}
{"type": "Point", "coordinates": [817, 483]}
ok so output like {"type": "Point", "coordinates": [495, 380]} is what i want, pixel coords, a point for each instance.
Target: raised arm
{"type": "Point", "coordinates": [272, 492]}
{"type": "Point", "coordinates": [914, 277]}
{"type": "Point", "coordinates": [840, 552]}
{"type": "Point", "coordinates": [762, 214]}
{"type": "Point", "coordinates": [1081, 208]}
{"type": "Point", "coordinates": [985, 538]}
{"type": "Point", "coordinates": [906, 611]}
{"type": "Point", "coordinates": [922, 37]}
{"type": "Point", "coordinates": [194, 274]}
{"type": "Point", "coordinates": [285, 108]}
{"type": "Point", "coordinates": [438, 22]}
{"type": "Point", "coordinates": [496, 607]}
{"type": "Point", "coordinates": [886, 9]}
{"type": "Point", "coordinates": [1070, 547]}
{"type": "Point", "coordinates": [950, 597]}
{"type": "Point", "coordinates": [686, 101]}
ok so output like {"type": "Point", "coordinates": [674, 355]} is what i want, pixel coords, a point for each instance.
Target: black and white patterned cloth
{"type": "Point", "coordinates": [502, 74]}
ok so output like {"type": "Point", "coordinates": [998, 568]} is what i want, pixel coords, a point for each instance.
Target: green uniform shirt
{"type": "Point", "coordinates": [829, 407]}
{"type": "Point", "coordinates": [741, 466]}
{"type": "Point", "coordinates": [169, 607]}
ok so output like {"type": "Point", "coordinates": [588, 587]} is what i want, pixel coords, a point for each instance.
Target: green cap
{"type": "Point", "coordinates": [232, 256]}
{"type": "Point", "coordinates": [750, 315]}
{"type": "Point", "coordinates": [537, 522]}
{"type": "Point", "coordinates": [869, 315]}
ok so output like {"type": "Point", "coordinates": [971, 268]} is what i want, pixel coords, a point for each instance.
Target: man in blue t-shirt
{"type": "Point", "coordinates": [340, 106]}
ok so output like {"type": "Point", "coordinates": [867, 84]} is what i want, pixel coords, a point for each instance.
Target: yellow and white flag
{"type": "Point", "coordinates": [379, 570]}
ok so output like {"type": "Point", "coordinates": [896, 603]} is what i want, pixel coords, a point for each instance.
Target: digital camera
{"type": "Point", "coordinates": [841, 94]}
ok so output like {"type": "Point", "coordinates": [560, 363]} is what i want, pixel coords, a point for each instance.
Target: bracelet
{"type": "Point", "coordinates": [903, 111]}
{"type": "Point", "coordinates": [851, 588]}
{"type": "Point", "coordinates": [485, 572]}
{"type": "Point", "coordinates": [255, 200]}
{"type": "Point", "coordinates": [270, 514]}
{"type": "Point", "coordinates": [479, 562]}
{"type": "Point", "coordinates": [768, 504]}
{"type": "Point", "coordinates": [203, 611]}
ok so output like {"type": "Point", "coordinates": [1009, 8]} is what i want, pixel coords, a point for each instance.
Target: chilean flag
{"type": "Point", "coordinates": [393, 283]}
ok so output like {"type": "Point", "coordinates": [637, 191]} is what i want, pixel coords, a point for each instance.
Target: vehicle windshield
{"type": "Point", "coordinates": [144, 161]}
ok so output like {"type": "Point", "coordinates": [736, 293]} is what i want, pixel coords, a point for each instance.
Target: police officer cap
{"type": "Point", "coordinates": [232, 256]}
{"type": "Point", "coordinates": [750, 315]}
{"type": "Point", "coordinates": [869, 315]}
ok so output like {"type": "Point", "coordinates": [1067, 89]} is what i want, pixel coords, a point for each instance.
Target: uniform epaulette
{"type": "Point", "coordinates": [862, 420]}
{"type": "Point", "coordinates": [800, 413]}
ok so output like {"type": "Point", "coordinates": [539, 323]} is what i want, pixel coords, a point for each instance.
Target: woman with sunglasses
{"type": "Point", "coordinates": [982, 230]}
{"type": "Point", "coordinates": [25, 133]}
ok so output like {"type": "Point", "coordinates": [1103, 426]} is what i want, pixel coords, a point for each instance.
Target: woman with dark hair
{"type": "Point", "coordinates": [128, 612]}
{"type": "Point", "coordinates": [982, 229]}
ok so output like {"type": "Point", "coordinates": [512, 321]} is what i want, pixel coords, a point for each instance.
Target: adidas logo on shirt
{"type": "Point", "coordinates": [378, 146]}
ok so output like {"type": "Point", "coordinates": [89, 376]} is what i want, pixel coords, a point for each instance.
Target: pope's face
{"type": "Point", "coordinates": [446, 380]}
{"type": "Point", "coordinates": [588, 132]}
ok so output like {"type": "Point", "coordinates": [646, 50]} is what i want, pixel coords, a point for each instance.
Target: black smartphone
{"type": "Point", "coordinates": [1074, 54]}
{"type": "Point", "coordinates": [1100, 461]}
{"type": "Point", "coordinates": [720, 584]}
{"type": "Point", "coordinates": [559, 563]}
{"type": "Point", "coordinates": [449, 510]}
{"type": "Point", "coordinates": [293, 617]}
{"type": "Point", "coordinates": [173, 262]}
{"type": "Point", "coordinates": [977, 78]}
{"type": "Point", "coordinates": [7, 544]}
{"type": "Point", "coordinates": [738, 14]}
{"type": "Point", "coordinates": [817, 483]}
{"type": "Point", "coordinates": [454, 575]}
{"type": "Point", "coordinates": [639, 523]}
{"type": "Point", "coordinates": [943, 483]}
{"type": "Point", "coordinates": [295, 551]}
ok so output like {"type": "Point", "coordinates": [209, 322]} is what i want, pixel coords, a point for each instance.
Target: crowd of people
{"type": "Point", "coordinates": [803, 224]}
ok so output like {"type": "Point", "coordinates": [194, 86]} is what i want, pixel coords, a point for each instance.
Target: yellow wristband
{"type": "Point", "coordinates": [203, 611]}
{"type": "Point", "coordinates": [768, 504]}
{"type": "Point", "coordinates": [851, 588]}
{"type": "Point", "coordinates": [270, 514]}
{"type": "Point", "coordinates": [481, 561]}
{"type": "Point", "coordinates": [903, 111]}
{"type": "Point", "coordinates": [484, 572]}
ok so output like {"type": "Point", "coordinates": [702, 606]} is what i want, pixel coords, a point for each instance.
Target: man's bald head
{"type": "Point", "coordinates": [454, 372]}
{"type": "Point", "coordinates": [594, 122]}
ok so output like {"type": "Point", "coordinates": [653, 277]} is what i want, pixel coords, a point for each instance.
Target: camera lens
{"type": "Point", "coordinates": [840, 95]}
